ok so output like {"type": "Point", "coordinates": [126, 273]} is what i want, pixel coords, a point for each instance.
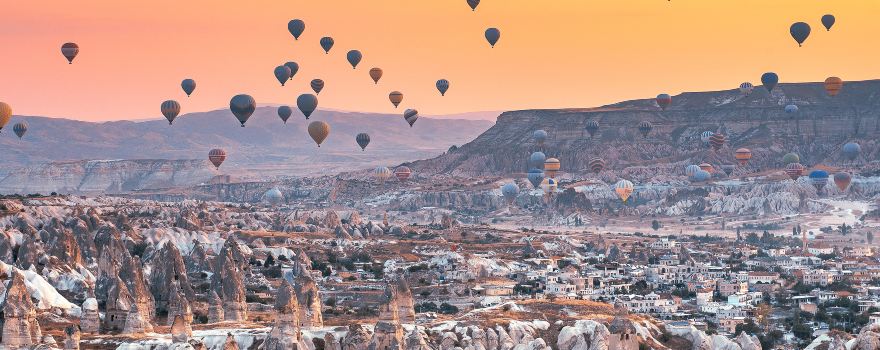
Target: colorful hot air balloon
{"type": "Point", "coordinates": [728, 169]}
{"type": "Point", "coordinates": [376, 74]}
{"type": "Point", "coordinates": [411, 115]}
{"type": "Point", "coordinates": [705, 136]}
{"type": "Point", "coordinates": [354, 57]}
{"type": "Point", "coordinates": [851, 151]}
{"type": "Point", "coordinates": [551, 167]}
{"type": "Point", "coordinates": [5, 114]}
{"type": "Point", "coordinates": [833, 86]}
{"type": "Point", "coordinates": [282, 73]}
{"type": "Point", "coordinates": [293, 66]}
{"type": "Point", "coordinates": [645, 128]}
{"type": "Point", "coordinates": [402, 173]}
{"type": "Point", "coordinates": [791, 109]}
{"type": "Point", "coordinates": [597, 165]}
{"type": "Point", "coordinates": [442, 86]}
{"type": "Point", "coordinates": [535, 176]}
{"type": "Point", "coordinates": [20, 129]}
{"type": "Point", "coordinates": [706, 167]}
{"type": "Point", "coordinates": [395, 97]}
{"type": "Point", "coordinates": [362, 139]}
{"type": "Point", "coordinates": [509, 191]}
{"type": "Point", "coordinates": [273, 196]}
{"type": "Point", "coordinates": [319, 130]}
{"type": "Point", "coordinates": [296, 27]}
{"type": "Point", "coordinates": [492, 36]}
{"type": "Point", "coordinates": [746, 88]}
{"type": "Point", "coordinates": [284, 113]}
{"type": "Point", "coordinates": [317, 85]}
{"type": "Point", "coordinates": [692, 169]}
{"type": "Point", "coordinates": [624, 189]}
{"type": "Point", "coordinates": [592, 127]}
{"type": "Point", "coordinates": [217, 156]}
{"type": "Point", "coordinates": [539, 136]}
{"type": "Point", "coordinates": [794, 170]}
{"type": "Point", "coordinates": [307, 103]}
{"type": "Point", "coordinates": [743, 155]}
{"type": "Point", "coordinates": [242, 106]}
{"type": "Point", "coordinates": [769, 80]}
{"type": "Point", "coordinates": [473, 4]}
{"type": "Point", "coordinates": [327, 44]}
{"type": "Point", "coordinates": [664, 100]}
{"type": "Point", "coordinates": [800, 31]}
{"type": "Point", "coordinates": [170, 109]}
{"type": "Point", "coordinates": [842, 180]}
{"type": "Point", "coordinates": [536, 160]}
{"type": "Point", "coordinates": [828, 21]}
{"type": "Point", "coordinates": [819, 178]}
{"type": "Point", "coordinates": [188, 86]}
{"type": "Point", "coordinates": [791, 158]}
{"type": "Point", "coordinates": [549, 186]}
{"type": "Point", "coordinates": [383, 173]}
{"type": "Point", "coordinates": [70, 50]}
{"type": "Point", "coordinates": [717, 141]}
{"type": "Point", "coordinates": [700, 176]}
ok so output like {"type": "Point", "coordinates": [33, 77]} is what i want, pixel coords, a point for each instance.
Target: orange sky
{"type": "Point", "coordinates": [552, 53]}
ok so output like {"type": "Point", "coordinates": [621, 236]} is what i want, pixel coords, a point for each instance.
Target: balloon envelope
{"type": "Point", "coordinates": [790, 109]}
{"type": "Point", "coordinates": [20, 129]}
{"type": "Point", "coordinates": [794, 170]}
{"type": "Point", "coordinates": [362, 139]}
{"type": "Point", "coordinates": [536, 160]}
{"type": "Point", "coordinates": [851, 150]}
{"type": "Point", "coordinates": [307, 103]}
{"type": "Point", "coordinates": [597, 165]}
{"type": "Point", "coordinates": [800, 31]}
{"type": "Point", "coordinates": [769, 80]}
{"type": "Point", "coordinates": [293, 66]}
{"type": "Point", "coordinates": [317, 85]}
{"type": "Point", "coordinates": [442, 86]}
{"type": "Point", "coordinates": [273, 196]}
{"type": "Point", "coordinates": [624, 188]}
{"type": "Point", "coordinates": [592, 127]}
{"type": "Point", "coordinates": [402, 173]}
{"type": "Point", "coordinates": [170, 109]}
{"type": "Point", "coordinates": [284, 113]}
{"type": "Point", "coordinates": [354, 57]}
{"type": "Point", "coordinates": [540, 136]}
{"type": "Point", "coordinates": [833, 86]}
{"type": "Point", "coordinates": [535, 176]}
{"type": "Point", "coordinates": [383, 173]}
{"type": "Point", "coordinates": [396, 97]}
{"type": "Point", "coordinates": [319, 130]}
{"type": "Point", "coordinates": [376, 74]}
{"type": "Point", "coordinates": [700, 176]}
{"type": "Point", "coordinates": [327, 44]}
{"type": "Point", "coordinates": [70, 50]}
{"type": "Point", "coordinates": [551, 167]}
{"type": "Point", "coordinates": [188, 86]}
{"type": "Point", "coordinates": [509, 191]}
{"type": "Point", "coordinates": [664, 100]}
{"type": "Point", "coordinates": [242, 107]}
{"type": "Point", "coordinates": [819, 178]}
{"type": "Point", "coordinates": [842, 180]}
{"type": "Point", "coordinates": [743, 155]}
{"type": "Point", "coordinates": [746, 88]}
{"type": "Point", "coordinates": [411, 115]}
{"type": "Point", "coordinates": [791, 158]}
{"type": "Point", "coordinates": [282, 73]}
{"type": "Point", "coordinates": [828, 21]}
{"type": "Point", "coordinates": [217, 156]}
{"type": "Point", "coordinates": [296, 27]}
{"type": "Point", "coordinates": [692, 169]}
{"type": "Point", "coordinates": [492, 36]}
{"type": "Point", "coordinates": [473, 4]}
{"type": "Point", "coordinates": [5, 114]}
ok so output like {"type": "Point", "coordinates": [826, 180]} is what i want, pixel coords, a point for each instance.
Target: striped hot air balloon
{"type": "Point", "coordinates": [70, 50]}
{"type": "Point", "coordinates": [592, 127]}
{"type": "Point", "coordinates": [188, 86]}
{"type": "Point", "coordinates": [411, 115]}
{"type": "Point", "coordinates": [743, 155]}
{"type": "Point", "coordinates": [819, 178]}
{"type": "Point", "coordinates": [363, 139]}
{"type": "Point", "coordinates": [551, 167]}
{"type": "Point", "coordinates": [396, 97]}
{"type": "Point", "coordinates": [705, 136]}
{"type": "Point", "coordinates": [442, 86]}
{"type": "Point", "coordinates": [746, 88]}
{"type": "Point", "coordinates": [383, 173]}
{"type": "Point", "coordinates": [217, 156]}
{"type": "Point", "coordinates": [833, 86]}
{"type": "Point", "coordinates": [842, 180]}
{"type": "Point", "coordinates": [692, 169]}
{"type": "Point", "coordinates": [402, 173]}
{"type": "Point", "coordinates": [717, 141]}
{"type": "Point", "coordinates": [791, 158]}
{"type": "Point", "coordinates": [317, 85]}
{"type": "Point", "coordinates": [663, 101]}
{"type": "Point", "coordinates": [645, 128]}
{"type": "Point", "coordinates": [170, 109]}
{"type": "Point", "coordinates": [5, 114]}
{"type": "Point", "coordinates": [794, 170]}
{"type": "Point", "coordinates": [376, 74]}
{"type": "Point", "coordinates": [624, 189]}
{"type": "Point", "coordinates": [327, 44]}
{"type": "Point", "coordinates": [535, 176]}
{"type": "Point", "coordinates": [20, 129]}
{"type": "Point", "coordinates": [597, 165]}
{"type": "Point", "coordinates": [707, 167]}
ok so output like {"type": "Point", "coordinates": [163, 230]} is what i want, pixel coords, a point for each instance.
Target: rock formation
{"type": "Point", "coordinates": [71, 338]}
{"type": "Point", "coordinates": [285, 334]}
{"type": "Point", "coordinates": [358, 338]}
{"type": "Point", "coordinates": [623, 335]}
{"type": "Point", "coordinates": [181, 331]}
{"type": "Point", "coordinates": [584, 334]}
{"type": "Point", "coordinates": [90, 322]}
{"type": "Point", "coordinates": [215, 308]}
{"type": "Point", "coordinates": [868, 338]}
{"type": "Point", "coordinates": [230, 343]}
{"type": "Point", "coordinates": [178, 305]}
{"type": "Point", "coordinates": [309, 302]}
{"type": "Point", "coordinates": [166, 269]}
{"type": "Point", "coordinates": [19, 322]}
{"type": "Point", "coordinates": [230, 281]}
{"type": "Point", "coordinates": [386, 336]}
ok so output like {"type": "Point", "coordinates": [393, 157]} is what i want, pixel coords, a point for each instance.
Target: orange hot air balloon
{"type": "Point", "coordinates": [842, 180]}
{"type": "Point", "coordinates": [833, 86]}
{"type": "Point", "coordinates": [395, 97]}
{"type": "Point", "coordinates": [624, 189]}
{"type": "Point", "coordinates": [376, 74]}
{"type": "Point", "coordinates": [743, 155]}
{"type": "Point", "coordinates": [707, 167]}
{"type": "Point", "coordinates": [551, 167]}
{"type": "Point", "coordinates": [318, 131]}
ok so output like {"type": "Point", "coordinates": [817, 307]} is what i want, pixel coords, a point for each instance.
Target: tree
{"type": "Point", "coordinates": [870, 237]}
{"type": "Point", "coordinates": [448, 309]}
{"type": "Point", "coordinates": [655, 225]}
{"type": "Point", "coordinates": [270, 261]}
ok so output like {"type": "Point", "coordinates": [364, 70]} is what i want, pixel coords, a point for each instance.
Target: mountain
{"type": "Point", "coordinates": [756, 121]}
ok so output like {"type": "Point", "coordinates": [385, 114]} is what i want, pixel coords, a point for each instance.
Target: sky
{"type": "Point", "coordinates": [552, 53]}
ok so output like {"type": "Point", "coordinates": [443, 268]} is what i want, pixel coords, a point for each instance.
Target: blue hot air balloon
{"type": "Point", "coordinates": [296, 27]}
{"type": "Point", "coordinates": [492, 36]}
{"type": "Point", "coordinates": [791, 109]}
{"type": "Point", "coordinates": [327, 44]}
{"type": "Point", "coordinates": [354, 57]}
{"type": "Point", "coordinates": [769, 80]}
{"type": "Point", "coordinates": [819, 178]}
{"type": "Point", "coordinates": [692, 169]}
{"type": "Point", "coordinates": [851, 151]}
{"type": "Point", "coordinates": [800, 31]}
{"type": "Point", "coordinates": [537, 159]}
{"type": "Point", "coordinates": [828, 21]}
{"type": "Point", "coordinates": [700, 176]}
{"type": "Point", "coordinates": [540, 136]}
{"type": "Point", "coordinates": [536, 176]}
{"type": "Point", "coordinates": [510, 191]}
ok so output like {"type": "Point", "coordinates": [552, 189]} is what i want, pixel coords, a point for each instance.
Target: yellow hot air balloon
{"type": "Point", "coordinates": [833, 86]}
{"type": "Point", "coordinates": [551, 167]}
{"type": "Point", "coordinates": [319, 131]}
{"type": "Point", "coordinates": [624, 189]}
{"type": "Point", "coordinates": [5, 114]}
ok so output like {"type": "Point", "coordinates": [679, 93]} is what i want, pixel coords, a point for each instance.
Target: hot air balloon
{"type": "Point", "coordinates": [383, 173]}
{"type": "Point", "coordinates": [707, 167]}
{"type": "Point", "coordinates": [327, 44]}
{"type": "Point", "coordinates": [592, 127]}
{"type": "Point", "coordinates": [442, 86]}
{"type": "Point", "coordinates": [535, 176]}
{"type": "Point", "coordinates": [549, 186]}
{"type": "Point", "coordinates": [791, 158]}
{"type": "Point", "coordinates": [296, 28]}
{"type": "Point", "coordinates": [819, 178]}
{"type": "Point", "coordinates": [242, 106]}
{"type": "Point", "coordinates": [551, 167]}
{"type": "Point", "coordinates": [851, 151]}
{"type": "Point", "coordinates": [5, 114]}
{"type": "Point", "coordinates": [728, 169]}
{"type": "Point", "coordinates": [273, 196]}
{"type": "Point", "coordinates": [800, 31]}
{"type": "Point", "coordinates": [700, 176]}
{"type": "Point", "coordinates": [307, 103]}
{"type": "Point", "coordinates": [402, 173]}
{"type": "Point", "coordinates": [411, 115]}
{"type": "Point", "coordinates": [492, 36]}
{"type": "Point", "coordinates": [293, 66]}
{"type": "Point", "coordinates": [842, 180]}
{"type": "Point", "coordinates": [624, 189]}
{"type": "Point", "coordinates": [188, 86]}
{"type": "Point", "coordinates": [317, 85]}
{"type": "Point", "coordinates": [363, 139]}
{"type": "Point", "coordinates": [597, 165]}
{"type": "Point", "coordinates": [217, 156]}
{"type": "Point", "coordinates": [743, 155]}
{"type": "Point", "coordinates": [170, 109]}
{"type": "Point", "coordinates": [794, 170]}
{"type": "Point", "coordinates": [717, 141]}
{"type": "Point", "coordinates": [473, 4]}
{"type": "Point", "coordinates": [539, 136]}
{"type": "Point", "coordinates": [645, 128]}
{"type": "Point", "coordinates": [536, 160]}
{"type": "Point", "coordinates": [20, 129]}
{"type": "Point", "coordinates": [69, 50]}
{"type": "Point", "coordinates": [395, 97]}
{"type": "Point", "coordinates": [284, 113]}
{"type": "Point", "coordinates": [705, 136]}
{"type": "Point", "coordinates": [769, 80]}
{"type": "Point", "coordinates": [510, 191]}
{"type": "Point", "coordinates": [376, 74]}
{"type": "Point", "coordinates": [828, 21]}
{"type": "Point", "coordinates": [664, 100]}
{"type": "Point", "coordinates": [692, 169]}
{"type": "Point", "coordinates": [354, 57]}
{"type": "Point", "coordinates": [282, 73]}
{"type": "Point", "coordinates": [746, 88]}
{"type": "Point", "coordinates": [319, 130]}
{"type": "Point", "coordinates": [833, 86]}
{"type": "Point", "coordinates": [791, 109]}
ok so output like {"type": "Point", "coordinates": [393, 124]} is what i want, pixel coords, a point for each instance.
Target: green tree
{"type": "Point", "coordinates": [655, 225]}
